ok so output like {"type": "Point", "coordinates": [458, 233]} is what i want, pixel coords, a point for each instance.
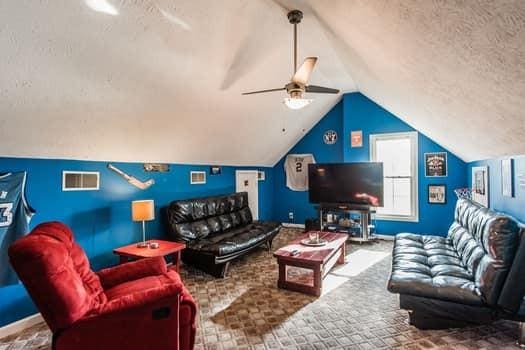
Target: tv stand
{"type": "Point", "coordinates": [364, 212]}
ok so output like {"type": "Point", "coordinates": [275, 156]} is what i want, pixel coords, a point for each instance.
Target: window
{"type": "Point", "coordinates": [80, 180]}
{"type": "Point", "coordinates": [398, 153]}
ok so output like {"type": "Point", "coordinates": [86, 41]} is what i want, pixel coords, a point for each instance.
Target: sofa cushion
{"type": "Point", "coordinates": [214, 224]}
{"type": "Point", "coordinates": [200, 229]}
{"type": "Point", "coordinates": [428, 266]}
{"type": "Point", "coordinates": [236, 239]}
{"type": "Point", "coordinates": [226, 222]}
{"type": "Point", "coordinates": [246, 215]}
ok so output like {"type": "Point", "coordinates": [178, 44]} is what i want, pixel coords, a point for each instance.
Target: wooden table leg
{"type": "Point", "coordinates": [341, 259]}
{"type": "Point", "coordinates": [281, 282]}
{"type": "Point", "coordinates": [318, 280]}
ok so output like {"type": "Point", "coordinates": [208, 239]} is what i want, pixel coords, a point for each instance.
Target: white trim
{"type": "Point", "coordinates": [287, 224]}
{"type": "Point", "coordinates": [255, 201]}
{"type": "Point", "coordinates": [413, 136]}
{"type": "Point", "coordinates": [65, 172]}
{"type": "Point", "coordinates": [20, 325]}
{"type": "Point", "coordinates": [384, 237]}
{"type": "Point", "coordinates": [197, 182]}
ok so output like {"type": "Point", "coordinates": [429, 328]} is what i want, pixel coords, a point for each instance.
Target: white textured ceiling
{"type": "Point", "coordinates": [161, 80]}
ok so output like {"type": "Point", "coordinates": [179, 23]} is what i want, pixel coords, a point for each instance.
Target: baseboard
{"type": "Point", "coordinates": [288, 224]}
{"type": "Point", "coordinates": [20, 325]}
{"type": "Point", "coordinates": [385, 237]}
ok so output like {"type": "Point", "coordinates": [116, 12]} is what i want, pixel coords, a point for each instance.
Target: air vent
{"type": "Point", "coordinates": [80, 180]}
{"type": "Point", "coordinates": [198, 177]}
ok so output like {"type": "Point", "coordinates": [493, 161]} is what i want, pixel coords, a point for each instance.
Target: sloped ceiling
{"type": "Point", "coordinates": [161, 80]}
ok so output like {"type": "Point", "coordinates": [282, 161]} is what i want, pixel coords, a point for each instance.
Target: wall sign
{"type": "Point", "coordinates": [507, 177]}
{"type": "Point", "coordinates": [330, 137]}
{"type": "Point", "coordinates": [215, 170]}
{"type": "Point", "coordinates": [436, 164]}
{"type": "Point", "coordinates": [356, 138]}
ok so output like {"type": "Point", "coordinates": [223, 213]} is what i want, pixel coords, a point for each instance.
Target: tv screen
{"type": "Point", "coordinates": [349, 183]}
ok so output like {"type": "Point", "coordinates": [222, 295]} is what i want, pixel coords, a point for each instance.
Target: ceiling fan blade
{"type": "Point", "coordinates": [321, 89]}
{"type": "Point", "coordinates": [262, 91]}
{"type": "Point", "coordinates": [303, 73]}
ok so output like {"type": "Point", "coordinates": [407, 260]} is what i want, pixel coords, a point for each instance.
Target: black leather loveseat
{"type": "Point", "coordinates": [474, 275]}
{"type": "Point", "coordinates": [217, 230]}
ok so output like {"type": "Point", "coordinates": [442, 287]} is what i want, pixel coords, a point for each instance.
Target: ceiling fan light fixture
{"type": "Point", "coordinates": [297, 102]}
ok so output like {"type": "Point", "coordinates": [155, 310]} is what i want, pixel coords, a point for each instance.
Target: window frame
{"type": "Point", "coordinates": [414, 165]}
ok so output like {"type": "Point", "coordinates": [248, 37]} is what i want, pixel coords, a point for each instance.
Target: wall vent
{"type": "Point", "coordinates": [198, 177]}
{"type": "Point", "coordinates": [80, 180]}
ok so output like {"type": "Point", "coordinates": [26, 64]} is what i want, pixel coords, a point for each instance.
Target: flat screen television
{"type": "Point", "coordinates": [348, 183]}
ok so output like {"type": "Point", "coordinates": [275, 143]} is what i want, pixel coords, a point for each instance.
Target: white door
{"type": "Point", "coordinates": [246, 181]}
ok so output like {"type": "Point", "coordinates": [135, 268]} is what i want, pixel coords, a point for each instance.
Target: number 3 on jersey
{"type": "Point", "coordinates": [6, 214]}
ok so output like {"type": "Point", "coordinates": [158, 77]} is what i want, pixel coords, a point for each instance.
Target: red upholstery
{"type": "Point", "coordinates": [138, 305]}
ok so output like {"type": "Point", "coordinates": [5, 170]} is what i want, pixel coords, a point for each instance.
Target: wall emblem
{"type": "Point", "coordinates": [330, 137]}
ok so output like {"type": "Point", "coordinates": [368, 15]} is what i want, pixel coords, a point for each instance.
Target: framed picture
{"type": "Point", "coordinates": [261, 175]}
{"type": "Point", "coordinates": [437, 194]}
{"type": "Point", "coordinates": [356, 138]}
{"type": "Point", "coordinates": [215, 170]}
{"type": "Point", "coordinates": [436, 164]}
{"type": "Point", "coordinates": [507, 177]}
{"type": "Point", "coordinates": [480, 185]}
{"type": "Point", "coordinates": [197, 177]}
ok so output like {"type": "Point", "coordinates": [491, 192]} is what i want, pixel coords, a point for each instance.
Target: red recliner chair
{"type": "Point", "coordinates": [137, 305]}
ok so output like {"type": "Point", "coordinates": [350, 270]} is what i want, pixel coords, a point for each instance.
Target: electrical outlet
{"type": "Point", "coordinates": [290, 216]}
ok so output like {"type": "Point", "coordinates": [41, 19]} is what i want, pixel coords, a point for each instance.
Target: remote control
{"type": "Point", "coordinates": [295, 252]}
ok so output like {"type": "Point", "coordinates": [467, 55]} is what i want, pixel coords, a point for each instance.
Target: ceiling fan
{"type": "Point", "coordinates": [298, 85]}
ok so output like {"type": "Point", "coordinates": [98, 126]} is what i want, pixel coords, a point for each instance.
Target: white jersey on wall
{"type": "Point", "coordinates": [296, 169]}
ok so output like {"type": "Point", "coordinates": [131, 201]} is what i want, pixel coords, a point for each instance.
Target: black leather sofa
{"type": "Point", "coordinates": [217, 230]}
{"type": "Point", "coordinates": [475, 275]}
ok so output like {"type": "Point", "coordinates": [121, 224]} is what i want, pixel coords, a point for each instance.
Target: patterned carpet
{"type": "Point", "coordinates": [247, 311]}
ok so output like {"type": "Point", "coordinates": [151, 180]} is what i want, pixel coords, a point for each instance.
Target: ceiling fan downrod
{"type": "Point", "coordinates": [295, 17]}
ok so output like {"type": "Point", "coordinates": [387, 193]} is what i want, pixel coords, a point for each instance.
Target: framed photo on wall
{"type": "Point", "coordinates": [437, 194]}
{"type": "Point", "coordinates": [480, 185]}
{"type": "Point", "coordinates": [436, 164]}
{"type": "Point", "coordinates": [507, 177]}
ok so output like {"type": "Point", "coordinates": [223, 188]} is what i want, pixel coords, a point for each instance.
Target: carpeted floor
{"type": "Point", "coordinates": [247, 311]}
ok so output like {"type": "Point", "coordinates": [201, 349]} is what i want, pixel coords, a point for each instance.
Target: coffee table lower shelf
{"type": "Point", "coordinates": [320, 260]}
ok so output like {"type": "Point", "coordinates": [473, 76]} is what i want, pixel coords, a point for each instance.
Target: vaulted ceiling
{"type": "Point", "coordinates": [135, 80]}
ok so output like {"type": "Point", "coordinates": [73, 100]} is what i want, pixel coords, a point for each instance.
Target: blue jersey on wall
{"type": "Point", "coordinates": [15, 214]}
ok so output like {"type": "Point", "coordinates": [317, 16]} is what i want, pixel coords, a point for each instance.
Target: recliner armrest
{"type": "Point", "coordinates": [142, 298]}
{"type": "Point", "coordinates": [131, 271]}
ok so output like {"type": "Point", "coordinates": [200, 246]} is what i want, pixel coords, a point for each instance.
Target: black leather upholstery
{"type": "Point", "coordinates": [477, 264]}
{"type": "Point", "coordinates": [217, 229]}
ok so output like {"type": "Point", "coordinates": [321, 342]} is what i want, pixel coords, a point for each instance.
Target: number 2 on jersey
{"type": "Point", "coordinates": [298, 167]}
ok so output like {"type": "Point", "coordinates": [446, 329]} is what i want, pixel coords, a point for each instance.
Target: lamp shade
{"type": "Point", "coordinates": [143, 210]}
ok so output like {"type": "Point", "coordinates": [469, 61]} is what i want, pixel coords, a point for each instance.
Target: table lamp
{"type": "Point", "coordinates": [143, 210]}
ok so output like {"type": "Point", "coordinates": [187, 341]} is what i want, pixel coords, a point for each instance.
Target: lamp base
{"type": "Point", "coordinates": [142, 245]}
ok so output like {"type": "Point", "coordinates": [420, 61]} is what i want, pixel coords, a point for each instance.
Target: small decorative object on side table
{"type": "Point", "coordinates": [165, 248]}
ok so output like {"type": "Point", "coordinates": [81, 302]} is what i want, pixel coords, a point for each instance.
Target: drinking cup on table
{"type": "Point", "coordinates": [314, 237]}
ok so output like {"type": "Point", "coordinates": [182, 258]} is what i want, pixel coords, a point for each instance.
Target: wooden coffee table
{"type": "Point", "coordinates": [319, 259]}
{"type": "Point", "coordinates": [166, 248]}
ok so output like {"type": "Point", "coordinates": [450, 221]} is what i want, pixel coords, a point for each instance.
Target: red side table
{"type": "Point", "coordinates": [172, 250]}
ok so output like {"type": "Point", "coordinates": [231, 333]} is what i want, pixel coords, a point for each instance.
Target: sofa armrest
{"type": "Point", "coordinates": [131, 271]}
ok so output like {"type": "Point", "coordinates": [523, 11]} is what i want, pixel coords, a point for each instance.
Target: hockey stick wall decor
{"type": "Point", "coordinates": [132, 180]}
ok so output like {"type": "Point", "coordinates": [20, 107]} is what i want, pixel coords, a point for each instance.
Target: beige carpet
{"type": "Point", "coordinates": [247, 311]}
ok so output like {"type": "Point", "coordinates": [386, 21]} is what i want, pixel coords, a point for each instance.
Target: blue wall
{"type": "Point", "coordinates": [101, 219]}
{"type": "Point", "coordinates": [357, 112]}
{"type": "Point", "coordinates": [514, 206]}
{"type": "Point", "coordinates": [297, 202]}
